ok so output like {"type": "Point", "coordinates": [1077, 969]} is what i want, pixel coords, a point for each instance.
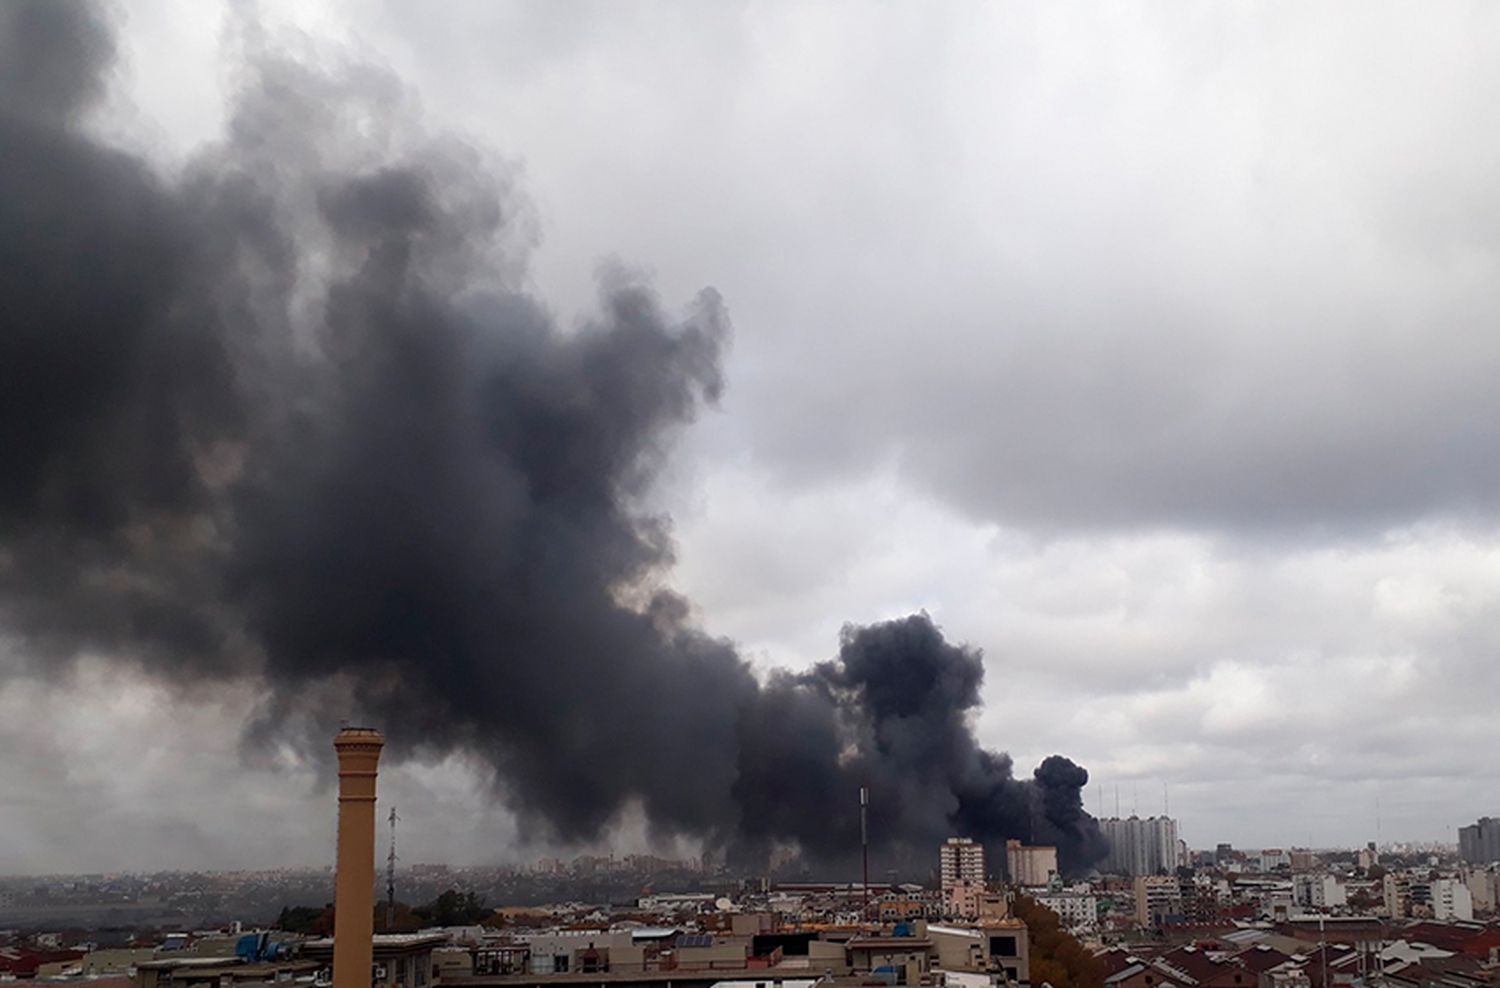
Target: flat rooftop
{"type": "Point", "coordinates": [767, 976]}
{"type": "Point", "coordinates": [885, 943]}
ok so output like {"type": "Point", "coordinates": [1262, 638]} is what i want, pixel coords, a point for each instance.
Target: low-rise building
{"type": "Point", "coordinates": [401, 960]}
{"type": "Point", "coordinates": [1318, 891]}
{"type": "Point", "coordinates": [1076, 910]}
{"type": "Point", "coordinates": [219, 972]}
{"type": "Point", "coordinates": [1449, 899]}
{"type": "Point", "coordinates": [907, 959]}
{"type": "Point", "coordinates": [1157, 897]}
{"type": "Point", "coordinates": [1009, 945]}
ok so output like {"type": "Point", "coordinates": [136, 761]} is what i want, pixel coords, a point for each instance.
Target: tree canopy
{"type": "Point", "coordinates": [1057, 958]}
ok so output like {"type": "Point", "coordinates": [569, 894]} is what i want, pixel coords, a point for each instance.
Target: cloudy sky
{"type": "Point", "coordinates": [1151, 349]}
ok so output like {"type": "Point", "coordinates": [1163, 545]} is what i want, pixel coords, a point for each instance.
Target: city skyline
{"type": "Point", "coordinates": [1150, 359]}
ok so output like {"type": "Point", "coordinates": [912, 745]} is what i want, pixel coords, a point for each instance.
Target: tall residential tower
{"type": "Point", "coordinates": [961, 873]}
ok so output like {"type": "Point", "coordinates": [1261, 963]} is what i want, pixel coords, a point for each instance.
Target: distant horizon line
{"type": "Point", "coordinates": [1394, 846]}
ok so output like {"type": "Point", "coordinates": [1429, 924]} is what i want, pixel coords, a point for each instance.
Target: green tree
{"type": "Point", "coordinates": [403, 919]}
{"type": "Point", "coordinates": [454, 908]}
{"type": "Point", "coordinates": [308, 920]}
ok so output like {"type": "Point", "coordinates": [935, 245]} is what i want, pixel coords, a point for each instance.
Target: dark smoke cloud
{"type": "Point", "coordinates": [290, 416]}
{"type": "Point", "coordinates": [892, 712]}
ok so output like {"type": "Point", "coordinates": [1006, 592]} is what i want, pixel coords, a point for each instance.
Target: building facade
{"type": "Point", "coordinates": [960, 859]}
{"type": "Point", "coordinates": [1479, 843]}
{"type": "Point", "coordinates": [1450, 900]}
{"type": "Point", "coordinates": [1029, 865]}
{"type": "Point", "coordinates": [1140, 846]}
{"type": "Point", "coordinates": [1078, 911]}
{"type": "Point", "coordinates": [961, 875]}
{"type": "Point", "coordinates": [1157, 899]}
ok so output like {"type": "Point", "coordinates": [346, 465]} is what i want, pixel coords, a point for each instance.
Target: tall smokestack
{"type": "Point", "coordinates": [354, 886]}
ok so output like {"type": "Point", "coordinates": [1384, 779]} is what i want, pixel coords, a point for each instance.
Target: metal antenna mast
{"type": "Point", "coordinates": [390, 876]}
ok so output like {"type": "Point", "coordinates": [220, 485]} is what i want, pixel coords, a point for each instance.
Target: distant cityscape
{"type": "Point", "coordinates": [1153, 913]}
{"type": "Point", "coordinates": [1139, 847]}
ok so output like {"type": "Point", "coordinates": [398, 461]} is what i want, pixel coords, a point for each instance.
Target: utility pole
{"type": "Point", "coordinates": [864, 850]}
{"type": "Point", "coordinates": [390, 876]}
{"type": "Point", "coordinates": [1323, 947]}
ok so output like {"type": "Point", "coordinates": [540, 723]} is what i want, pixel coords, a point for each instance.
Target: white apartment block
{"type": "Point", "coordinates": [1319, 892]}
{"type": "Point", "coordinates": [1076, 910]}
{"type": "Point", "coordinates": [1451, 900]}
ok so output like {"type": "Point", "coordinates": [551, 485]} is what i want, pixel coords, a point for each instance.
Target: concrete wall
{"type": "Point", "coordinates": [630, 957]}
{"type": "Point", "coordinates": [912, 964]}
{"type": "Point", "coordinates": [546, 947]}
{"type": "Point", "coordinates": [749, 924]}
{"type": "Point", "coordinates": [411, 970]}
{"type": "Point", "coordinates": [1009, 949]}
{"type": "Point", "coordinates": [453, 962]}
{"type": "Point", "coordinates": [957, 950]}
{"type": "Point", "coordinates": [825, 956]}
{"type": "Point", "coordinates": [727, 953]}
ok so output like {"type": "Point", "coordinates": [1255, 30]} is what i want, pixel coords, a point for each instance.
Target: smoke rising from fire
{"type": "Point", "coordinates": [291, 414]}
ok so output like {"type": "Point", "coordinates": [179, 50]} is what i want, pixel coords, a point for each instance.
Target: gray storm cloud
{"type": "Point", "coordinates": [290, 415]}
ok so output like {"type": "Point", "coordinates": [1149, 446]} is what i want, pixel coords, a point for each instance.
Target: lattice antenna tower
{"type": "Point", "coordinates": [390, 875]}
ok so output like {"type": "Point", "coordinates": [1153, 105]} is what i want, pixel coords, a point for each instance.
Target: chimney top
{"type": "Point", "coordinates": [358, 737]}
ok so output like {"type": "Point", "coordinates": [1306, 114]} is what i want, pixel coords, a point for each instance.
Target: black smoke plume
{"type": "Point", "coordinates": [288, 414]}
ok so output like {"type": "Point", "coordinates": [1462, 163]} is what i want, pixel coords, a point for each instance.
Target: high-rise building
{"type": "Point", "coordinates": [1030, 866]}
{"type": "Point", "coordinates": [960, 859]}
{"type": "Point", "coordinates": [961, 873]}
{"type": "Point", "coordinates": [1140, 847]}
{"type": "Point", "coordinates": [1479, 843]}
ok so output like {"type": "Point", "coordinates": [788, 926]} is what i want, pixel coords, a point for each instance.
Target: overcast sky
{"type": "Point", "coordinates": [1151, 349]}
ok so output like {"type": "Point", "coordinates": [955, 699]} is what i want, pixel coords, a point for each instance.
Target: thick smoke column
{"type": "Point", "coordinates": [289, 414]}
{"type": "Point", "coordinates": [892, 712]}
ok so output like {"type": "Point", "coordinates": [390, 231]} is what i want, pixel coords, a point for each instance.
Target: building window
{"type": "Point", "coordinates": [1002, 946]}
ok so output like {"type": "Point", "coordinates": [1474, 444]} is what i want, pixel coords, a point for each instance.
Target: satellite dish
{"type": "Point", "coordinates": [723, 904]}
